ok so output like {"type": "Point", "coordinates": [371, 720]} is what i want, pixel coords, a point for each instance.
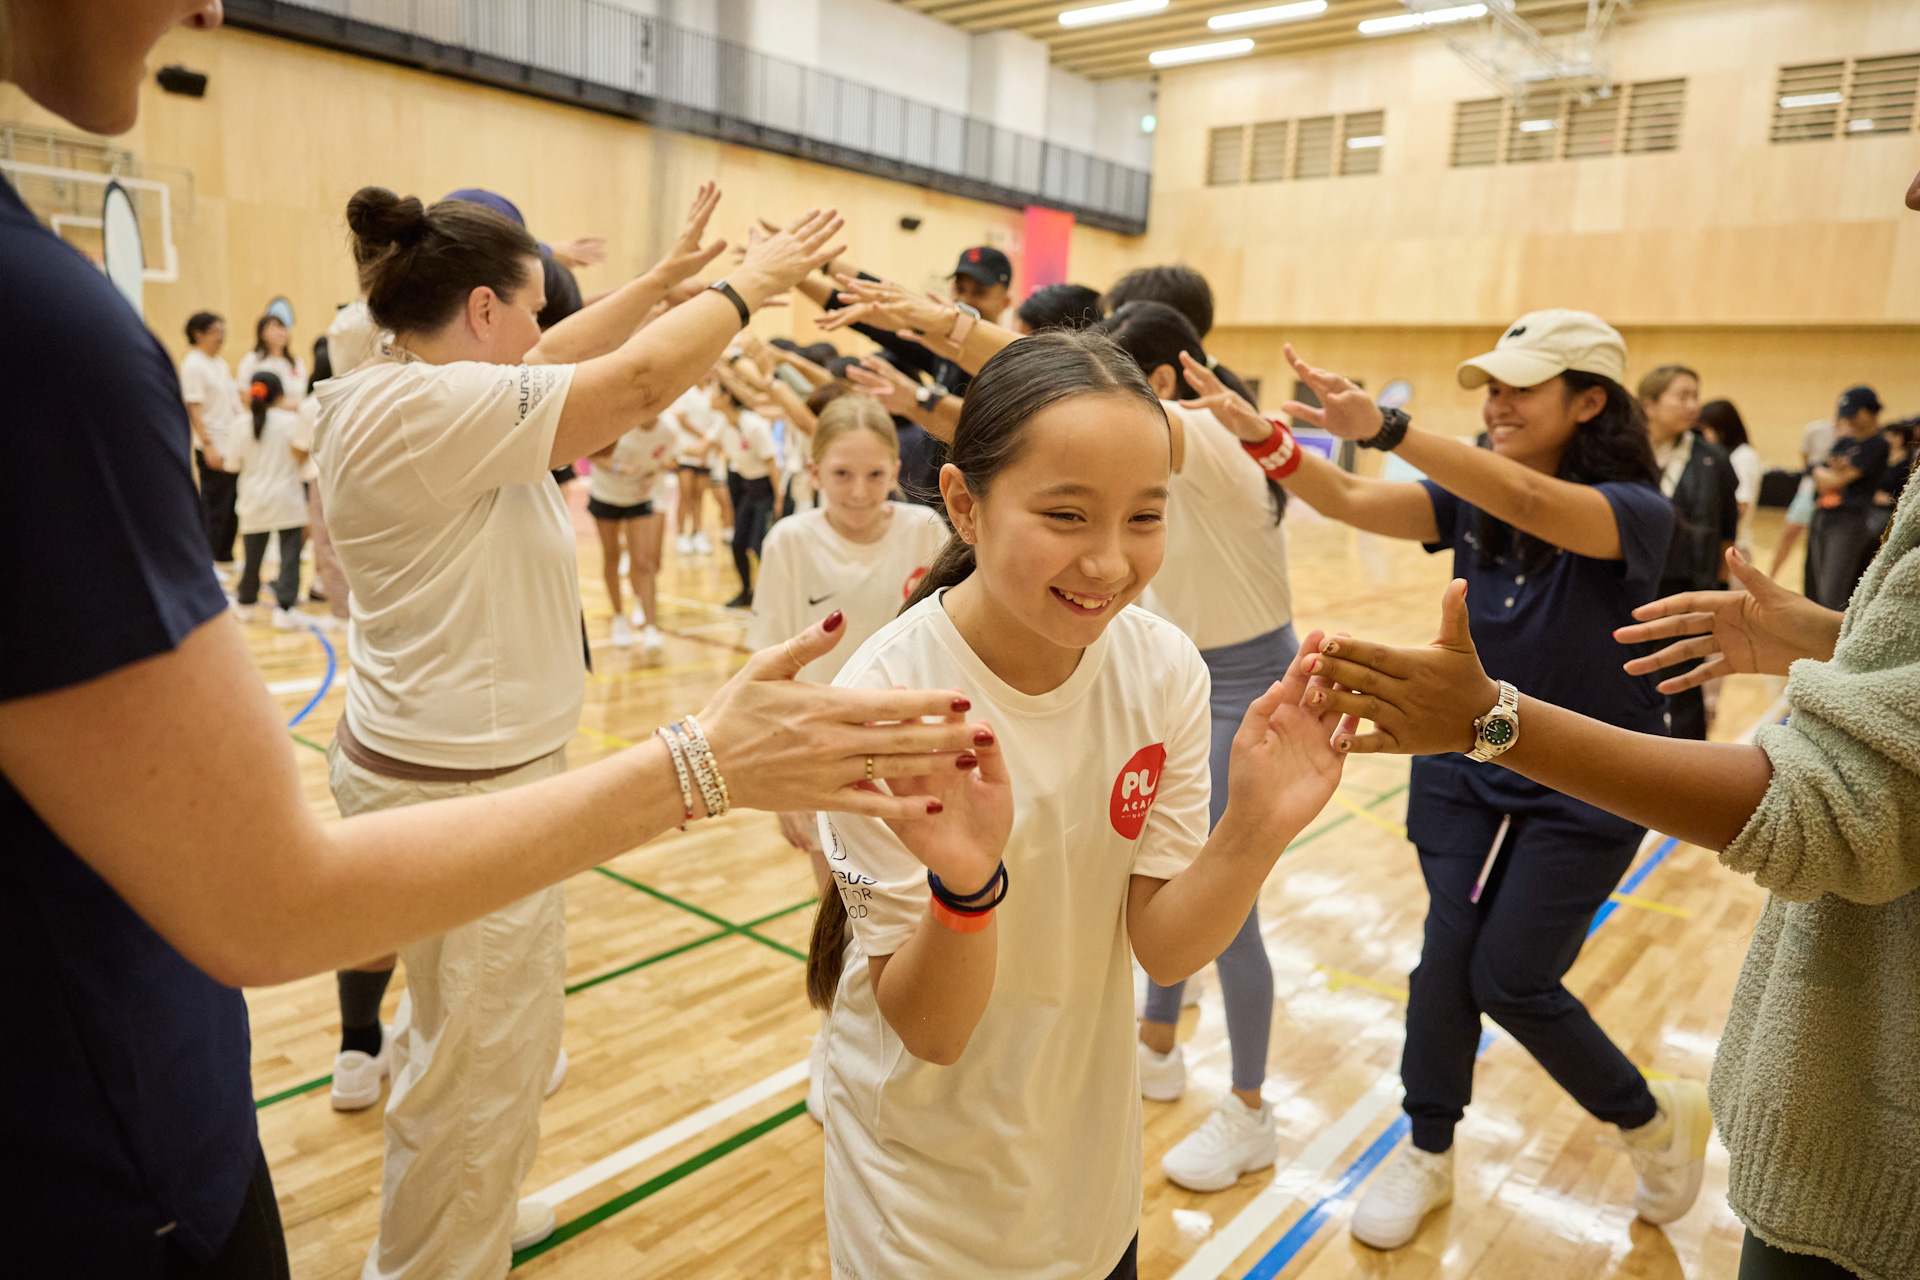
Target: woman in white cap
{"type": "Point", "coordinates": [1560, 529]}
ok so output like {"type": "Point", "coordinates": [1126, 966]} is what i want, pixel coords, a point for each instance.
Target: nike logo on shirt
{"type": "Point", "coordinates": [814, 600]}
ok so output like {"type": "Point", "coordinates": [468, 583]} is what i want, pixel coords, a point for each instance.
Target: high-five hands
{"type": "Point", "coordinates": [773, 265]}
{"type": "Point", "coordinates": [1763, 628]}
{"type": "Point", "coordinates": [1421, 701]}
{"type": "Point", "coordinates": [878, 378]}
{"type": "Point", "coordinates": [1345, 410]}
{"type": "Point", "coordinates": [1284, 767]}
{"type": "Point", "coordinates": [971, 814]}
{"type": "Point", "coordinates": [922, 318]}
{"type": "Point", "coordinates": [686, 256]}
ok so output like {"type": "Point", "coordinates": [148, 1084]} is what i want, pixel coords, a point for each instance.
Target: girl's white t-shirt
{"type": "Point", "coordinates": [695, 423]}
{"type": "Point", "coordinates": [638, 459]}
{"type": "Point", "coordinates": [1021, 1161]}
{"type": "Point", "coordinates": [1224, 580]}
{"type": "Point", "coordinates": [748, 445]}
{"type": "Point", "coordinates": [292, 374]}
{"type": "Point", "coordinates": [808, 569]}
{"type": "Point", "coordinates": [459, 553]}
{"type": "Point", "coordinates": [208, 385]}
{"type": "Point", "coordinates": [271, 496]}
{"type": "Point", "coordinates": [1746, 473]}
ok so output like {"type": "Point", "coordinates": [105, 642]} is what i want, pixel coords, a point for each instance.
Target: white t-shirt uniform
{"type": "Point", "coordinates": [695, 423]}
{"type": "Point", "coordinates": [271, 497]}
{"type": "Point", "coordinates": [1224, 579]}
{"type": "Point", "coordinates": [352, 338]}
{"type": "Point", "coordinates": [1022, 1160]}
{"type": "Point", "coordinates": [808, 569]}
{"type": "Point", "coordinates": [459, 554]}
{"type": "Point", "coordinates": [748, 445]}
{"type": "Point", "coordinates": [207, 384]}
{"type": "Point", "coordinates": [292, 374]}
{"type": "Point", "coordinates": [309, 414]}
{"type": "Point", "coordinates": [638, 459]}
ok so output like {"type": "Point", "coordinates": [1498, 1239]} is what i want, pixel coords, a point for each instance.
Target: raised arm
{"type": "Point", "coordinates": [650, 370]}
{"type": "Point", "coordinates": [899, 395]}
{"type": "Point", "coordinates": [601, 327]}
{"type": "Point", "coordinates": [1575, 517]}
{"type": "Point", "coordinates": [1389, 508]}
{"type": "Point", "coordinates": [173, 778]}
{"type": "Point", "coordinates": [915, 317]}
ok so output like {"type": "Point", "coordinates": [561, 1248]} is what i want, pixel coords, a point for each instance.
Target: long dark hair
{"type": "Point", "coordinates": [1020, 381]}
{"type": "Point", "coordinates": [1728, 427]}
{"type": "Point", "coordinates": [419, 262]}
{"type": "Point", "coordinates": [1611, 446]}
{"type": "Point", "coordinates": [262, 393]}
{"type": "Point", "coordinates": [260, 337]}
{"type": "Point", "coordinates": [1156, 334]}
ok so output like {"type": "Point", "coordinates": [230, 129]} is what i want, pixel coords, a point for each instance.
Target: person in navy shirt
{"type": "Point", "coordinates": [1559, 528]}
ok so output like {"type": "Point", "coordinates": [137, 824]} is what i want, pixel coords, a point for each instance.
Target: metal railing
{"type": "Point", "coordinates": [600, 55]}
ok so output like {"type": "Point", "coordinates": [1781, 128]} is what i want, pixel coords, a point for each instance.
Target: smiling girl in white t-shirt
{"type": "Point", "coordinates": [982, 1100]}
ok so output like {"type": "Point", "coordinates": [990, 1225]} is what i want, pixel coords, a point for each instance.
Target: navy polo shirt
{"type": "Point", "coordinates": [1549, 631]}
{"type": "Point", "coordinates": [126, 1112]}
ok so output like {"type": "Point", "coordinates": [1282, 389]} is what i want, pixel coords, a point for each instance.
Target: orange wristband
{"type": "Point", "coordinates": [957, 922]}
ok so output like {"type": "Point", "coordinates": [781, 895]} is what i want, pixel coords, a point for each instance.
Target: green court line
{"type": "Point", "coordinates": [653, 1186]}
{"type": "Point", "coordinates": [308, 742]}
{"type": "Point", "coordinates": [1317, 832]}
{"type": "Point", "coordinates": [744, 930]}
{"type": "Point", "coordinates": [294, 1092]}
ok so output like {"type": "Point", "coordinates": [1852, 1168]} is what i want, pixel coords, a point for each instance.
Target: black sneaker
{"type": "Point", "coordinates": [742, 601]}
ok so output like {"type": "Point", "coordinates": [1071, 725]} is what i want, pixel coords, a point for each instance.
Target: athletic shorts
{"type": "Point", "coordinates": [608, 511]}
{"type": "Point", "coordinates": [697, 467]}
{"type": "Point", "coordinates": [1800, 510]}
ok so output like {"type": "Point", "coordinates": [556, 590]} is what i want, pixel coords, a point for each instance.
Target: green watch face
{"type": "Point", "coordinates": [1497, 733]}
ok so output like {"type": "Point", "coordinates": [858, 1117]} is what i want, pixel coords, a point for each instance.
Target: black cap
{"type": "Point", "coordinates": [1858, 400]}
{"type": "Point", "coordinates": [985, 264]}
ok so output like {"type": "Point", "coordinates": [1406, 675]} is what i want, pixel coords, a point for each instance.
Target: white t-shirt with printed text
{"type": "Point", "coordinates": [207, 384]}
{"type": "Point", "coordinates": [1022, 1160]}
{"type": "Point", "coordinates": [748, 445]}
{"type": "Point", "coordinates": [808, 569]}
{"type": "Point", "coordinates": [1224, 580]}
{"type": "Point", "coordinates": [639, 458]}
{"type": "Point", "coordinates": [459, 553]}
{"type": "Point", "coordinates": [271, 496]}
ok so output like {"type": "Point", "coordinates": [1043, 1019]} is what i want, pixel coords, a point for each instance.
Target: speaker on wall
{"type": "Point", "coordinates": [190, 84]}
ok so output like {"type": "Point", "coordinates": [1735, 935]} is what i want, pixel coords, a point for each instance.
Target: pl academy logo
{"type": "Point", "coordinates": [1134, 790]}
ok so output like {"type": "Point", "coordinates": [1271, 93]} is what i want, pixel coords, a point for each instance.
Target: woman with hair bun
{"type": "Point", "coordinates": [1559, 526]}
{"type": "Point", "coordinates": [466, 655]}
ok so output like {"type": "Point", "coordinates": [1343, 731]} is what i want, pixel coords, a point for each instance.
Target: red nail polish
{"type": "Point", "coordinates": [965, 760]}
{"type": "Point", "coordinates": [934, 806]}
{"type": "Point", "coordinates": [961, 706]}
{"type": "Point", "coordinates": [982, 739]}
{"type": "Point", "coordinates": [834, 620]}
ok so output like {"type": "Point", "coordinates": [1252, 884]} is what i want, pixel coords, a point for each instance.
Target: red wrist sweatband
{"type": "Point", "coordinates": [1278, 455]}
{"type": "Point", "coordinates": [957, 922]}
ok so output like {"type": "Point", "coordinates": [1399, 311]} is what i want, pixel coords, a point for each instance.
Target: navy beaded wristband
{"type": "Point", "coordinates": [973, 904]}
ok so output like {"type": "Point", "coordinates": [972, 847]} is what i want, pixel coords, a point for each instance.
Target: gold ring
{"type": "Point", "coordinates": [791, 654]}
{"type": "Point", "coordinates": [869, 768]}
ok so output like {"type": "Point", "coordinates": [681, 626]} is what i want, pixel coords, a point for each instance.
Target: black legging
{"type": "Point", "coordinates": [286, 588]}
{"type": "Point", "coordinates": [1761, 1261]}
{"type": "Point", "coordinates": [752, 514]}
{"type": "Point", "coordinates": [218, 490]}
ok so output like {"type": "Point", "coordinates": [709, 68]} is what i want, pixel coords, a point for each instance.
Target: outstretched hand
{"type": "Point", "coordinates": [893, 389]}
{"type": "Point", "coordinates": [1228, 406]}
{"type": "Point", "coordinates": [1284, 767]}
{"type": "Point", "coordinates": [773, 265]}
{"type": "Point", "coordinates": [1344, 410]}
{"type": "Point", "coordinates": [964, 841]}
{"type": "Point", "coordinates": [1421, 701]}
{"type": "Point", "coordinates": [1763, 628]}
{"type": "Point", "coordinates": [922, 318]}
{"type": "Point", "coordinates": [687, 255]}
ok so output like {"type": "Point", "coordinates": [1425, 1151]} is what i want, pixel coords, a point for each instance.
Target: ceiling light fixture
{"type": "Point", "coordinates": [1365, 144]}
{"type": "Point", "coordinates": [1538, 126]}
{"type": "Point", "coordinates": [1267, 17]}
{"type": "Point", "coordinates": [1201, 52]}
{"type": "Point", "coordinates": [1110, 12]}
{"type": "Point", "coordinates": [1794, 101]}
{"type": "Point", "coordinates": [1421, 19]}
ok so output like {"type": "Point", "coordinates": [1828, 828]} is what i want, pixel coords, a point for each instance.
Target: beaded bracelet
{"type": "Point", "coordinates": [707, 770]}
{"type": "Point", "coordinates": [1279, 455]}
{"type": "Point", "coordinates": [702, 778]}
{"type": "Point", "coordinates": [680, 771]}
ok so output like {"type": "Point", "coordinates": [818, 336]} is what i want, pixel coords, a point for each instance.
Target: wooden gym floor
{"type": "Point", "coordinates": [679, 1145]}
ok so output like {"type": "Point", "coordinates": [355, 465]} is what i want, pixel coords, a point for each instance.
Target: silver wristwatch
{"type": "Point", "coordinates": [1499, 729]}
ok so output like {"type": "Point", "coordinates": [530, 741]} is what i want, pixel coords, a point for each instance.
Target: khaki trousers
{"type": "Point", "coordinates": [477, 1036]}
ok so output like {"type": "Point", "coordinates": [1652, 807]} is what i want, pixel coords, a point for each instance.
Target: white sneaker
{"type": "Point", "coordinates": [327, 622]}
{"type": "Point", "coordinates": [532, 1223]}
{"type": "Point", "coordinates": [816, 1077]}
{"type": "Point", "coordinates": [554, 1082]}
{"type": "Point", "coordinates": [622, 631]}
{"type": "Point", "coordinates": [1415, 1184]}
{"type": "Point", "coordinates": [726, 536]}
{"type": "Point", "coordinates": [652, 643]}
{"type": "Point", "coordinates": [683, 545]}
{"type": "Point", "coordinates": [1669, 1153]}
{"type": "Point", "coordinates": [701, 546]}
{"type": "Point", "coordinates": [1234, 1140]}
{"type": "Point", "coordinates": [1163, 1076]}
{"type": "Point", "coordinates": [357, 1077]}
{"type": "Point", "coordinates": [288, 620]}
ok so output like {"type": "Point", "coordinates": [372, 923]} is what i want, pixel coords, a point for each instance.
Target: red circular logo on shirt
{"type": "Point", "coordinates": [1134, 789]}
{"type": "Point", "coordinates": [913, 580]}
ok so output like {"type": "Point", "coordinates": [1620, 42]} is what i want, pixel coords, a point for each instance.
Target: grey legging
{"type": "Point", "coordinates": [1241, 672]}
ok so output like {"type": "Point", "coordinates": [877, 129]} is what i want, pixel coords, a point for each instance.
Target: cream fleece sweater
{"type": "Point", "coordinates": [1816, 1089]}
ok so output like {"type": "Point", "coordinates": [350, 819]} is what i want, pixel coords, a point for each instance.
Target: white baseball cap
{"type": "Point", "coordinates": [1544, 344]}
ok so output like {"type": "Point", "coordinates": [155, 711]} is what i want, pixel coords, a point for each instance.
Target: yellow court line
{"type": "Point", "coordinates": [607, 738]}
{"type": "Point", "coordinates": [710, 667]}
{"type": "Point", "coordinates": [1370, 816]}
{"type": "Point", "coordinates": [1648, 904]}
{"type": "Point", "coordinates": [1340, 979]}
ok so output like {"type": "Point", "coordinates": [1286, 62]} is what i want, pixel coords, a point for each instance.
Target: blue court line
{"type": "Point", "coordinates": [326, 681]}
{"type": "Point", "coordinates": [1289, 1245]}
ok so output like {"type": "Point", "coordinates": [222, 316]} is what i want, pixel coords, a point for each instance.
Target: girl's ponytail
{"type": "Point", "coordinates": [262, 394]}
{"type": "Point", "coordinates": [827, 950]}
{"type": "Point", "coordinates": [949, 568]}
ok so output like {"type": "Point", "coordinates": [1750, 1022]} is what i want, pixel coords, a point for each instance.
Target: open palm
{"type": "Point", "coordinates": [1344, 410]}
{"type": "Point", "coordinates": [965, 842]}
{"type": "Point", "coordinates": [1764, 628]}
{"type": "Point", "coordinates": [1284, 766]}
